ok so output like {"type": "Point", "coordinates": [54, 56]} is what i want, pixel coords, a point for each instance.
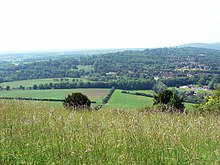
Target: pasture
{"type": "Point", "coordinates": [118, 99]}
{"type": "Point", "coordinates": [93, 94]}
{"type": "Point", "coordinates": [30, 83]}
{"type": "Point", "coordinates": [128, 101]}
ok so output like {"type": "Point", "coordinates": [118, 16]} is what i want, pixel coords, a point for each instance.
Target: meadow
{"type": "Point", "coordinates": [134, 102]}
{"type": "Point", "coordinates": [128, 101]}
{"type": "Point", "coordinates": [35, 133]}
{"type": "Point", "coordinates": [30, 83]}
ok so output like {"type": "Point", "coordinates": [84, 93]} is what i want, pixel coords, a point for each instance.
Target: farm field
{"type": "Point", "coordinates": [121, 100]}
{"type": "Point", "coordinates": [118, 99]}
{"type": "Point", "coordinates": [128, 101]}
{"type": "Point", "coordinates": [33, 132]}
{"type": "Point", "coordinates": [93, 94]}
{"type": "Point", "coordinates": [30, 83]}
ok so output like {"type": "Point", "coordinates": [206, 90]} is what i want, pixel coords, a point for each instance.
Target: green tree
{"type": "Point", "coordinates": [8, 88]}
{"type": "Point", "coordinates": [176, 102]}
{"type": "Point", "coordinates": [77, 101]}
{"type": "Point", "coordinates": [35, 87]}
{"type": "Point", "coordinates": [169, 100]}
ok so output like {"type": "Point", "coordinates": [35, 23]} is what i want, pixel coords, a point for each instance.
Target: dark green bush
{"type": "Point", "coordinates": [77, 101]}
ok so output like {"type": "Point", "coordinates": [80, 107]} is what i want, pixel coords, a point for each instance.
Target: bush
{"type": "Point", "coordinates": [211, 104]}
{"type": "Point", "coordinates": [77, 101]}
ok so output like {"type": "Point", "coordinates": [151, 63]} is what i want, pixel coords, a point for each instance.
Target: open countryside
{"type": "Point", "coordinates": [118, 99]}
{"type": "Point", "coordinates": [148, 113]}
{"type": "Point", "coordinates": [110, 82]}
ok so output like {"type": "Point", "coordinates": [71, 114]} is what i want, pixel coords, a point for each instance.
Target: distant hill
{"type": "Point", "coordinates": [203, 45]}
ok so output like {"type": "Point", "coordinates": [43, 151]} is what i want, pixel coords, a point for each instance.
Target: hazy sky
{"type": "Point", "coordinates": [80, 24]}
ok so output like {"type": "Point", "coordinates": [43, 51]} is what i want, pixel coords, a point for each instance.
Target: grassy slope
{"type": "Point", "coordinates": [33, 133]}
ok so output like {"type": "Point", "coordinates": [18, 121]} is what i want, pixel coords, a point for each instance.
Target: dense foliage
{"type": "Point", "coordinates": [77, 101]}
{"type": "Point", "coordinates": [169, 101]}
{"type": "Point", "coordinates": [211, 104]}
{"type": "Point", "coordinates": [105, 100]}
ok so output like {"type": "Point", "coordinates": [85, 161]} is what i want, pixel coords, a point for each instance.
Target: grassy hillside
{"type": "Point", "coordinates": [33, 133]}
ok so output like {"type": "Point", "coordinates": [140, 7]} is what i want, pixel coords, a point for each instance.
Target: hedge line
{"type": "Point", "coordinates": [108, 96]}
{"type": "Point", "coordinates": [137, 93]}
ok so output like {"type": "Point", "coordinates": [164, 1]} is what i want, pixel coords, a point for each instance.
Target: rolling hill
{"type": "Point", "coordinates": [203, 45]}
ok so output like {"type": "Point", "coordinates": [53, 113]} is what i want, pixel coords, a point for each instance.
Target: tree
{"type": "Point", "coordinates": [21, 87]}
{"type": "Point", "coordinates": [35, 87]}
{"type": "Point", "coordinates": [7, 88]}
{"type": "Point", "coordinates": [77, 101]}
{"type": "Point", "coordinates": [169, 100]}
{"type": "Point", "coordinates": [176, 102]}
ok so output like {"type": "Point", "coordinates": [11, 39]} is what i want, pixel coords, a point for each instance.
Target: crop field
{"type": "Point", "coordinates": [34, 133]}
{"type": "Point", "coordinates": [30, 83]}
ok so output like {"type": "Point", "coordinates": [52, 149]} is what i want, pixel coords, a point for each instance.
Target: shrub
{"type": "Point", "coordinates": [211, 104]}
{"type": "Point", "coordinates": [77, 101]}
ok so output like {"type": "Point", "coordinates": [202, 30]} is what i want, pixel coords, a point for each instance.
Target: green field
{"type": "Point", "coordinates": [93, 94]}
{"type": "Point", "coordinates": [30, 83]}
{"type": "Point", "coordinates": [118, 99]}
{"type": "Point", "coordinates": [33, 133]}
{"type": "Point", "coordinates": [128, 101]}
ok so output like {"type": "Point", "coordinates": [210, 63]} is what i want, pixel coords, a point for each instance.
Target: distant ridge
{"type": "Point", "coordinates": [203, 45]}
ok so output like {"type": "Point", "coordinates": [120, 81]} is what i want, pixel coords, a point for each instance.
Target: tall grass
{"type": "Point", "coordinates": [33, 133]}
